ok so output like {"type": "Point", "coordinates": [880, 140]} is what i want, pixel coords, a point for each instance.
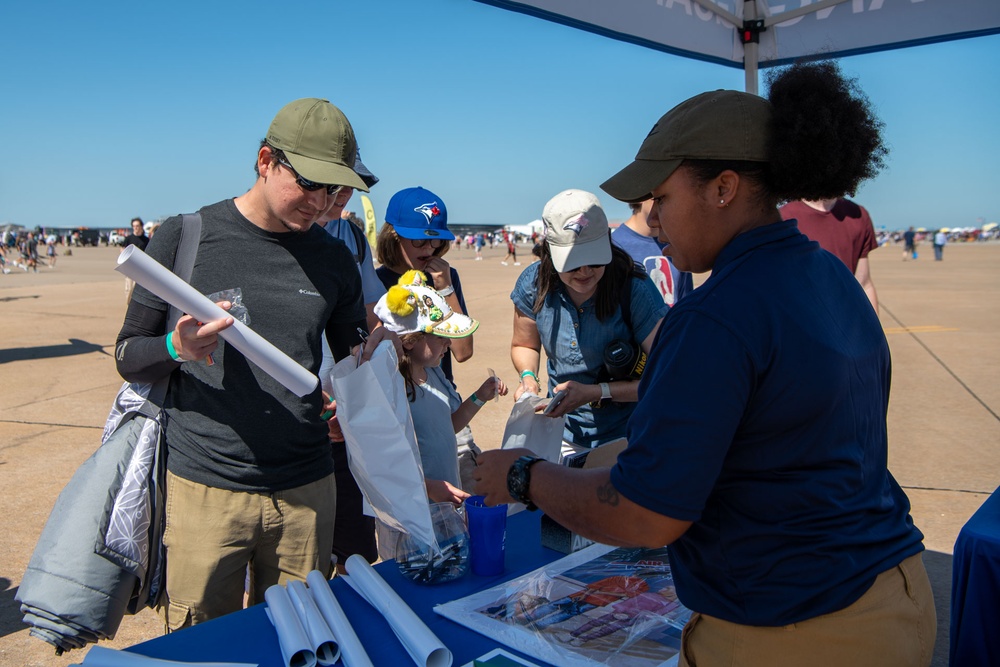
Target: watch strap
{"type": "Point", "coordinates": [519, 480]}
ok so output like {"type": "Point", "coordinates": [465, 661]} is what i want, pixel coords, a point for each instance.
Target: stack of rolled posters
{"type": "Point", "coordinates": [352, 651]}
{"type": "Point", "coordinates": [418, 640]}
{"type": "Point", "coordinates": [159, 280]}
{"type": "Point", "coordinates": [312, 628]}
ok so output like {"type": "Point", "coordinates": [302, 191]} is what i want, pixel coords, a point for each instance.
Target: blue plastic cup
{"type": "Point", "coordinates": [487, 534]}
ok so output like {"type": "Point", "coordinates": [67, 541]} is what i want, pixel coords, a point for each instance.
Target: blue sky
{"type": "Point", "coordinates": [114, 109]}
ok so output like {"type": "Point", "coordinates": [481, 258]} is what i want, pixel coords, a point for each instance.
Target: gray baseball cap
{"type": "Point", "coordinates": [576, 231]}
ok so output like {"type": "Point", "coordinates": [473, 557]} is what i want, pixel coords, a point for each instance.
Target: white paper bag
{"type": "Point", "coordinates": [381, 446]}
{"type": "Point", "coordinates": [527, 428]}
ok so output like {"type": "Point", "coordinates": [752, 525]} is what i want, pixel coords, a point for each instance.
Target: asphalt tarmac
{"type": "Point", "coordinates": [58, 378]}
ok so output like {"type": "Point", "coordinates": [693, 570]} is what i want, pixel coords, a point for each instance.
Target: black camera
{"type": "Point", "coordinates": [624, 360]}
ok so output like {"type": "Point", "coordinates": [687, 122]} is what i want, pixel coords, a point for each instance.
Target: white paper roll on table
{"type": "Point", "coordinates": [352, 651]}
{"type": "Point", "coordinates": [296, 649]}
{"type": "Point", "coordinates": [418, 640]}
{"type": "Point", "coordinates": [323, 641]}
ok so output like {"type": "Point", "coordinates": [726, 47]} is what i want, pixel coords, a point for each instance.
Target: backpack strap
{"type": "Point", "coordinates": [187, 252]}
{"type": "Point", "coordinates": [360, 241]}
{"type": "Point", "coordinates": [625, 298]}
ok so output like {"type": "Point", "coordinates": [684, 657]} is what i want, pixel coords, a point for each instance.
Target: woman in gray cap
{"type": "Point", "coordinates": [594, 312]}
{"type": "Point", "coordinates": [789, 539]}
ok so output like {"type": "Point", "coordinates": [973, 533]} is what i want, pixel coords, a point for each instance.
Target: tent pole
{"type": "Point", "coordinates": [750, 68]}
{"type": "Point", "coordinates": [751, 51]}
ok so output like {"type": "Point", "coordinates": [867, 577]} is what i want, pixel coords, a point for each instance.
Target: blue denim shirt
{"type": "Point", "coordinates": [574, 341]}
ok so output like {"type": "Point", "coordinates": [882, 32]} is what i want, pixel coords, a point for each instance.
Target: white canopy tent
{"type": "Point", "coordinates": [764, 33]}
{"type": "Point", "coordinates": [533, 227]}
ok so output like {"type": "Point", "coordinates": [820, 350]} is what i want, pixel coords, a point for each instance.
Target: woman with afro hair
{"type": "Point", "coordinates": [758, 448]}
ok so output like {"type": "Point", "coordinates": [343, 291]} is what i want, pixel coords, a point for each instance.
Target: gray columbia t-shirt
{"type": "Point", "coordinates": [231, 425]}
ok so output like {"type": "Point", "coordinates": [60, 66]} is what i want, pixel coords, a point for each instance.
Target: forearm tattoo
{"type": "Point", "coordinates": [607, 494]}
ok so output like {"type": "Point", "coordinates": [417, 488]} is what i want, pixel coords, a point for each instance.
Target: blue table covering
{"type": "Point", "coordinates": [248, 636]}
{"type": "Point", "coordinates": [975, 589]}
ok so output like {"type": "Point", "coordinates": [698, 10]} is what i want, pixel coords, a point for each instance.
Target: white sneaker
{"type": "Point", "coordinates": [517, 263]}
{"type": "Point", "coordinates": [6, 270]}
{"type": "Point", "coordinates": [504, 263]}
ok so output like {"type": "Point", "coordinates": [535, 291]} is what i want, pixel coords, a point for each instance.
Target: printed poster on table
{"type": "Point", "coordinates": [599, 606]}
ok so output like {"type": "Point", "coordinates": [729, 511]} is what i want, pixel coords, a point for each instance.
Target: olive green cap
{"type": "Point", "coordinates": [719, 125]}
{"type": "Point", "coordinates": [318, 141]}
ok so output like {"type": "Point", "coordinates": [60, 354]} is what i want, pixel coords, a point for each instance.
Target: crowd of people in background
{"type": "Point", "coordinates": [24, 250]}
{"type": "Point", "coordinates": [953, 235]}
{"type": "Point", "coordinates": [16, 253]}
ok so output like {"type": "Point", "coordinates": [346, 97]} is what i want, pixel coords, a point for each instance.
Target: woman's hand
{"type": "Point", "coordinates": [528, 384]}
{"type": "Point", "coordinates": [490, 474]}
{"type": "Point", "coordinates": [194, 340]}
{"type": "Point", "coordinates": [440, 491]}
{"type": "Point", "coordinates": [577, 394]}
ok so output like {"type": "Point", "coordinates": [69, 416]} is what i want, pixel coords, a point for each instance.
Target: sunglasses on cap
{"type": "Point", "coordinates": [308, 185]}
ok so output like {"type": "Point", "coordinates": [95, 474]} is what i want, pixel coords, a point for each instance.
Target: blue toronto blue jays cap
{"type": "Point", "coordinates": [416, 213]}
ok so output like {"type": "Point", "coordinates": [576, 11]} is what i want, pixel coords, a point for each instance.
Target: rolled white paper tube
{"type": "Point", "coordinates": [418, 640]}
{"type": "Point", "coordinates": [159, 280]}
{"type": "Point", "coordinates": [352, 651]}
{"type": "Point", "coordinates": [324, 642]}
{"type": "Point", "coordinates": [295, 646]}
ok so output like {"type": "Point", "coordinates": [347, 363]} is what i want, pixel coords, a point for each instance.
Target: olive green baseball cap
{"type": "Point", "coordinates": [718, 125]}
{"type": "Point", "coordinates": [318, 141]}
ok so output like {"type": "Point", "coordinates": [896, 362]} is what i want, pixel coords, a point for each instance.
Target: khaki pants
{"type": "Point", "coordinates": [212, 535]}
{"type": "Point", "coordinates": [892, 625]}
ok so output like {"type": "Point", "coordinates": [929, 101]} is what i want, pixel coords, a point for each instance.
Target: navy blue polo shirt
{"type": "Point", "coordinates": [762, 419]}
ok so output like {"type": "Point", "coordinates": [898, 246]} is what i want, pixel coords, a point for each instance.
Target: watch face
{"type": "Point", "coordinates": [516, 481]}
{"type": "Point", "coordinates": [519, 479]}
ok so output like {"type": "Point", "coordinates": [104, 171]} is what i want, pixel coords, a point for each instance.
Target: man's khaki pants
{"type": "Point", "coordinates": [892, 625]}
{"type": "Point", "coordinates": [212, 535]}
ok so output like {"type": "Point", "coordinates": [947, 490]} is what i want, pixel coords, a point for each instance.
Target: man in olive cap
{"type": "Point", "coordinates": [249, 471]}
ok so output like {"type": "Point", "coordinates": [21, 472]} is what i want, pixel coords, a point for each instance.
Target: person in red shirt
{"type": "Point", "coordinates": [843, 228]}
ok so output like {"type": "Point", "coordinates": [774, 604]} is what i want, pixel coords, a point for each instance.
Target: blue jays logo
{"type": "Point", "coordinates": [576, 224]}
{"type": "Point", "coordinates": [428, 211]}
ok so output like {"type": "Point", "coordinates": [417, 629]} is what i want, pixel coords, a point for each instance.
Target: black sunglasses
{"type": "Point", "coordinates": [591, 266]}
{"type": "Point", "coordinates": [420, 243]}
{"type": "Point", "coordinates": [308, 185]}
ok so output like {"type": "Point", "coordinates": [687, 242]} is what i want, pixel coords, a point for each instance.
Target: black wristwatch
{"type": "Point", "coordinates": [519, 480]}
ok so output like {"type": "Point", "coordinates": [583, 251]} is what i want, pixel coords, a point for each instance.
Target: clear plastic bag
{"type": "Point", "coordinates": [234, 296]}
{"type": "Point", "coordinates": [424, 564]}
